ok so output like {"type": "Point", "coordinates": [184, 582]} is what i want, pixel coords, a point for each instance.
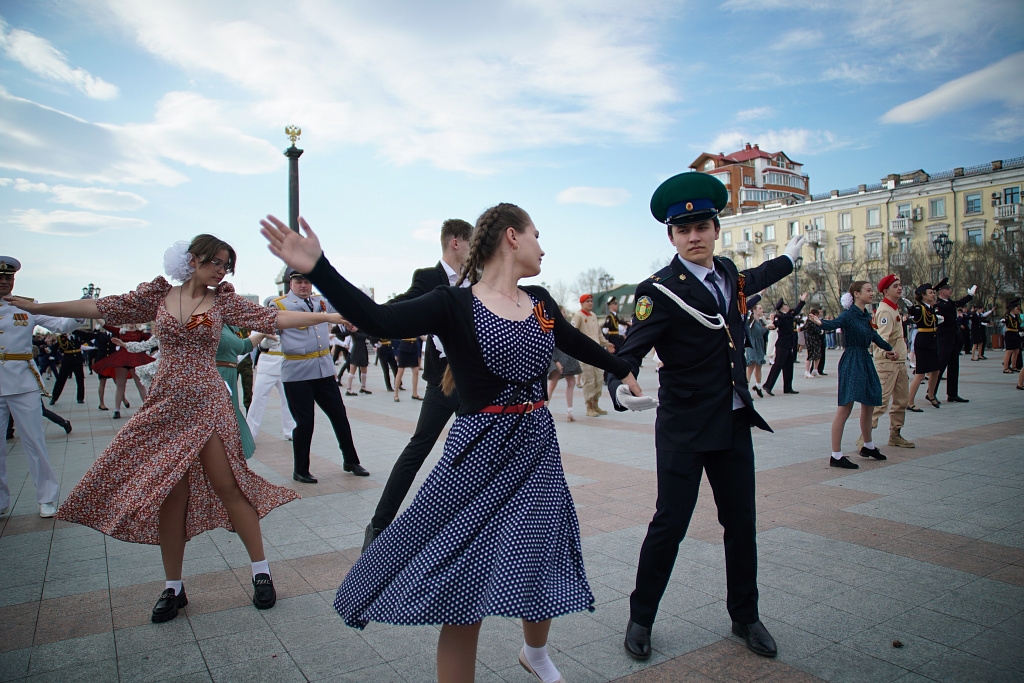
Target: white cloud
{"type": "Point", "coordinates": [71, 223]}
{"type": "Point", "coordinates": [40, 57]}
{"type": "Point", "coordinates": [755, 114]}
{"type": "Point", "coordinates": [97, 198]}
{"type": "Point", "coordinates": [797, 39]}
{"type": "Point", "coordinates": [792, 141]}
{"type": "Point", "coordinates": [22, 185]}
{"type": "Point", "coordinates": [428, 231]}
{"type": "Point", "coordinates": [1000, 82]}
{"type": "Point", "coordinates": [598, 196]}
{"type": "Point", "coordinates": [450, 85]}
{"type": "Point", "coordinates": [5, 182]}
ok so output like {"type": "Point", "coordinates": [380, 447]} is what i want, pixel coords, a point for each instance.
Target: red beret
{"type": "Point", "coordinates": [584, 297]}
{"type": "Point", "coordinates": [886, 282]}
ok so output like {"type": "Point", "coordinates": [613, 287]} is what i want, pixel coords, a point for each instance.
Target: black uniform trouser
{"type": "Point", "coordinates": [785, 356]}
{"type": "Point", "coordinates": [325, 393]}
{"type": "Point", "coordinates": [821, 361]}
{"type": "Point", "coordinates": [949, 362]}
{"type": "Point", "coordinates": [388, 364]}
{"type": "Point", "coordinates": [731, 474]}
{"type": "Point", "coordinates": [435, 412]}
{"type": "Point", "coordinates": [72, 364]}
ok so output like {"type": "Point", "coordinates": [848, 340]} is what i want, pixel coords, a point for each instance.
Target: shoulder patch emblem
{"type": "Point", "coordinates": [644, 306]}
{"type": "Point", "coordinates": [883, 320]}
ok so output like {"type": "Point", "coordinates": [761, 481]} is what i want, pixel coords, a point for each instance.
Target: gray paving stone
{"type": "Point", "coordinates": [1005, 649]}
{"type": "Point", "coordinates": [72, 652]}
{"type": "Point", "coordinates": [161, 664]}
{"type": "Point", "coordinates": [75, 585]}
{"type": "Point", "coordinates": [299, 608]}
{"type": "Point", "coordinates": [842, 664]}
{"type": "Point", "coordinates": [828, 622]}
{"type": "Point", "coordinates": [607, 657]}
{"type": "Point", "coordinates": [872, 606]}
{"type": "Point", "coordinates": [237, 648]}
{"type": "Point", "coordinates": [263, 668]}
{"type": "Point", "coordinates": [102, 671]}
{"type": "Point", "coordinates": [153, 636]}
{"type": "Point", "coordinates": [321, 630]}
{"type": "Point", "coordinates": [960, 667]}
{"type": "Point", "coordinates": [14, 664]}
{"type": "Point", "coordinates": [935, 626]}
{"type": "Point", "coordinates": [877, 641]}
{"type": "Point", "coordinates": [382, 673]}
{"type": "Point", "coordinates": [226, 622]}
{"type": "Point", "coordinates": [26, 592]}
{"type": "Point", "coordinates": [794, 643]}
{"type": "Point", "coordinates": [402, 641]}
{"type": "Point", "coordinates": [320, 662]}
{"type": "Point", "coordinates": [673, 636]}
{"type": "Point", "coordinates": [973, 608]}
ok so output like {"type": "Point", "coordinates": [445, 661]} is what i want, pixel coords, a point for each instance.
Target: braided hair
{"type": "Point", "coordinates": [489, 229]}
{"type": "Point", "coordinates": [486, 235]}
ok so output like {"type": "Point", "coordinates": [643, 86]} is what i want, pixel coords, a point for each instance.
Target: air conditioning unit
{"type": "Point", "coordinates": [918, 214]}
{"type": "Point", "coordinates": [757, 237]}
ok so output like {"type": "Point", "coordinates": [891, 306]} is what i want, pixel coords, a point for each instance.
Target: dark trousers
{"type": "Point", "coordinates": [323, 392]}
{"type": "Point", "coordinates": [731, 474]}
{"type": "Point", "coordinates": [388, 364]}
{"type": "Point", "coordinates": [785, 356]}
{"type": "Point", "coordinates": [949, 363]}
{"type": "Point", "coordinates": [435, 412]}
{"type": "Point", "coordinates": [821, 361]}
{"type": "Point", "coordinates": [72, 364]}
{"type": "Point", "coordinates": [245, 375]}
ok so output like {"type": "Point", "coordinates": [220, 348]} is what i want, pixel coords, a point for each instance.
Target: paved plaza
{"type": "Point", "coordinates": [906, 570]}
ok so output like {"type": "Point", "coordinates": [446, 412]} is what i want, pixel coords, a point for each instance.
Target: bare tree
{"type": "Point", "coordinates": [594, 280]}
{"type": "Point", "coordinates": [832, 277]}
{"type": "Point", "coordinates": [559, 291]}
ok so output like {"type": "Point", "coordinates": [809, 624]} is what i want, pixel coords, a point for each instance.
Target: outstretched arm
{"type": "Point", "coordinates": [79, 308]}
{"type": "Point", "coordinates": [290, 319]}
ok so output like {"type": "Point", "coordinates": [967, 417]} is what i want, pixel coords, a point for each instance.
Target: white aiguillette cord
{"type": "Point", "coordinates": [712, 322]}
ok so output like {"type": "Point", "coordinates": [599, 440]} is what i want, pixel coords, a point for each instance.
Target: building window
{"type": "Point", "coordinates": [845, 222]}
{"type": "Point", "coordinates": [794, 228]}
{"type": "Point", "coordinates": [874, 217]}
{"type": "Point", "coordinates": [727, 239]}
{"type": "Point", "coordinates": [709, 164]}
{"type": "Point", "coordinates": [819, 222]}
{"type": "Point", "coordinates": [724, 178]}
{"type": "Point", "coordinates": [972, 203]}
{"type": "Point", "coordinates": [903, 211]}
{"type": "Point", "coordinates": [975, 237]}
{"type": "Point", "coordinates": [748, 180]}
{"type": "Point", "coordinates": [748, 262]}
{"type": "Point", "coordinates": [819, 255]}
{"type": "Point", "coordinates": [873, 249]}
{"type": "Point", "coordinates": [937, 208]}
{"type": "Point", "coordinates": [845, 252]}
{"type": "Point", "coordinates": [747, 234]}
{"type": "Point", "coordinates": [769, 232]}
{"type": "Point", "coordinates": [1011, 195]}
{"type": "Point", "coordinates": [769, 253]}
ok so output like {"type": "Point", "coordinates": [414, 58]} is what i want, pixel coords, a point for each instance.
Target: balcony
{"type": "Point", "coordinates": [899, 259]}
{"type": "Point", "coordinates": [727, 252]}
{"type": "Point", "coordinates": [901, 226]}
{"type": "Point", "coordinates": [816, 237]}
{"type": "Point", "coordinates": [1008, 212]}
{"type": "Point", "coordinates": [814, 268]}
{"type": "Point", "coordinates": [745, 247]}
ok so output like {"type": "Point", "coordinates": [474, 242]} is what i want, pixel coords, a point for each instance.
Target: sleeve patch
{"type": "Point", "coordinates": [644, 306]}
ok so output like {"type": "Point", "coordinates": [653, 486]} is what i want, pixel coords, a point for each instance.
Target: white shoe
{"type": "Point", "coordinates": [47, 510]}
{"type": "Point", "coordinates": [808, 375]}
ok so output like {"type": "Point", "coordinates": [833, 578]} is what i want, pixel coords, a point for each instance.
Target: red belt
{"type": "Point", "coordinates": [514, 408]}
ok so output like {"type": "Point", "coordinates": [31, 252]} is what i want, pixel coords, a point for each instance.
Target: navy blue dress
{"type": "Point", "coordinates": [496, 535]}
{"type": "Point", "coordinates": [858, 381]}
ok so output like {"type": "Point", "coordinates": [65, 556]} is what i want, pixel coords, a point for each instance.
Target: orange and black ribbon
{"type": "Point", "coordinates": [741, 296]}
{"type": "Point", "coordinates": [546, 324]}
{"type": "Point", "coordinates": [197, 320]}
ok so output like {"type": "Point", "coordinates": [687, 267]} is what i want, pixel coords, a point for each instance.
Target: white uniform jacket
{"type": "Point", "coordinates": [19, 376]}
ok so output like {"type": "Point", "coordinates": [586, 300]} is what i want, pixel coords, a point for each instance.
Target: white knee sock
{"type": "Point", "coordinates": [176, 585]}
{"type": "Point", "coordinates": [538, 659]}
{"type": "Point", "coordinates": [837, 455]}
{"type": "Point", "coordinates": [261, 567]}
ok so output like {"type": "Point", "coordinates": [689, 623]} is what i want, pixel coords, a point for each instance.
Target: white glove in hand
{"type": "Point", "coordinates": [972, 289]}
{"type": "Point", "coordinates": [940, 318]}
{"type": "Point", "coordinates": [793, 248]}
{"type": "Point", "coordinates": [627, 400]}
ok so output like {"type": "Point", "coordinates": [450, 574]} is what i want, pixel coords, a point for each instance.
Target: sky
{"type": "Point", "coordinates": [126, 126]}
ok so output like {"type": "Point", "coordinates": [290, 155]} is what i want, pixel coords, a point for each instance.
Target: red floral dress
{"type": "Point", "coordinates": [122, 492]}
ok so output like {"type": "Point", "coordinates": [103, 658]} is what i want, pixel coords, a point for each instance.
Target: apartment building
{"type": "Point", "coordinates": [754, 177]}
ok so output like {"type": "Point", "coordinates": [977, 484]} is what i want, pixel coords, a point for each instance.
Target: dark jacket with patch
{"type": "Point", "coordinates": [702, 366]}
{"type": "Point", "coordinates": [425, 280]}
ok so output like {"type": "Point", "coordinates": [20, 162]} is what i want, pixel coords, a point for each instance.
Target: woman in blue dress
{"type": "Point", "coordinates": [493, 529]}
{"type": "Point", "coordinates": [858, 381]}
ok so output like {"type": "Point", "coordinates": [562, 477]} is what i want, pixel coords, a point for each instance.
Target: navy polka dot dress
{"type": "Point", "coordinates": [496, 535]}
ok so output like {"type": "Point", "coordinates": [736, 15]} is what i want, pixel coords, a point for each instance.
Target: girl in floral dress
{"type": "Point", "coordinates": [493, 529]}
{"type": "Point", "coordinates": [176, 469]}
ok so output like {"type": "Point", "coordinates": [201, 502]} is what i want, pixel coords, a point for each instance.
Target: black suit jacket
{"type": "Point", "coordinates": [702, 367]}
{"type": "Point", "coordinates": [425, 280]}
{"type": "Point", "coordinates": [948, 331]}
{"type": "Point", "coordinates": [784, 322]}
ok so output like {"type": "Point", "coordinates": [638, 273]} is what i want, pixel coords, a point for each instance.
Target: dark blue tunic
{"type": "Point", "coordinates": [858, 381]}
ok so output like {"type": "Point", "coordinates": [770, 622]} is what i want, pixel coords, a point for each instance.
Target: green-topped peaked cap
{"type": "Point", "coordinates": [688, 197]}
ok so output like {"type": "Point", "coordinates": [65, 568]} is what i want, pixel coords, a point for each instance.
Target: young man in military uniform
{"type": "Point", "coordinates": [950, 339]}
{"type": "Point", "coordinates": [308, 376]}
{"type": "Point", "coordinates": [586, 322]}
{"type": "Point", "coordinates": [20, 386]}
{"type": "Point", "coordinates": [691, 313]}
{"type": "Point", "coordinates": [612, 325]}
{"type": "Point", "coordinates": [785, 347]}
{"type": "Point", "coordinates": [70, 346]}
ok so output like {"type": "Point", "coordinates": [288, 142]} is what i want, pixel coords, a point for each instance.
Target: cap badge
{"type": "Point", "coordinates": [689, 206]}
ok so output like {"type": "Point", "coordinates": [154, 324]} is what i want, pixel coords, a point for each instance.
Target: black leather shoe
{"type": "Point", "coordinates": [872, 453]}
{"type": "Point", "coordinates": [758, 639]}
{"type": "Point", "coordinates": [843, 462]}
{"type": "Point", "coordinates": [372, 532]}
{"type": "Point", "coordinates": [823, 374]}
{"type": "Point", "coordinates": [791, 392]}
{"type": "Point", "coordinates": [304, 478]}
{"type": "Point", "coordinates": [638, 641]}
{"type": "Point", "coordinates": [957, 399]}
{"type": "Point", "coordinates": [768, 391]}
{"type": "Point", "coordinates": [67, 426]}
{"type": "Point", "coordinates": [168, 605]}
{"type": "Point", "coordinates": [263, 594]}
{"type": "Point", "coordinates": [356, 469]}
{"type": "Point", "coordinates": [53, 401]}
{"type": "Point", "coordinates": [758, 390]}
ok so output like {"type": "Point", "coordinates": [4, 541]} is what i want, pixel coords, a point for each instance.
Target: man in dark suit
{"type": "Point", "coordinates": [785, 346]}
{"type": "Point", "coordinates": [71, 364]}
{"type": "Point", "coordinates": [691, 313]}
{"type": "Point", "coordinates": [949, 338]}
{"type": "Point", "coordinates": [437, 407]}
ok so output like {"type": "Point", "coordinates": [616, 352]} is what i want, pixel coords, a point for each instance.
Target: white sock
{"type": "Point", "coordinates": [837, 455]}
{"type": "Point", "coordinates": [261, 567]}
{"type": "Point", "coordinates": [176, 585]}
{"type": "Point", "coordinates": [539, 661]}
{"type": "Point", "coordinates": [870, 445]}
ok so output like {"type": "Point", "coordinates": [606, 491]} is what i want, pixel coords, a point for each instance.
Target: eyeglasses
{"type": "Point", "coordinates": [217, 264]}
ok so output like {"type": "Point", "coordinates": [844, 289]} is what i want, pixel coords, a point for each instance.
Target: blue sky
{"type": "Point", "coordinates": [125, 125]}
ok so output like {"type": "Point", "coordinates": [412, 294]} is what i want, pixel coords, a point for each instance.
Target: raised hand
{"type": "Point", "coordinates": [301, 253]}
{"type": "Point", "coordinates": [794, 246]}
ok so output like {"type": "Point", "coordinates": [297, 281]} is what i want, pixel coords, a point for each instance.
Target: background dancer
{"type": "Point", "coordinates": [70, 346]}
{"type": "Point", "coordinates": [785, 346]}
{"type": "Point", "coordinates": [123, 364]}
{"type": "Point", "coordinates": [949, 338]}
{"type": "Point", "coordinates": [493, 529]}
{"type": "Point", "coordinates": [268, 378]}
{"type": "Point", "coordinates": [1011, 337]}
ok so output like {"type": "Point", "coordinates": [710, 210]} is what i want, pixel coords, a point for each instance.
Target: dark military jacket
{"type": "Point", "coordinates": [702, 367]}
{"type": "Point", "coordinates": [948, 331]}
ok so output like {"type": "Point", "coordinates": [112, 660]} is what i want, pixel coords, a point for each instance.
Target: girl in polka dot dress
{"type": "Point", "coordinates": [493, 530]}
{"type": "Point", "coordinates": [176, 468]}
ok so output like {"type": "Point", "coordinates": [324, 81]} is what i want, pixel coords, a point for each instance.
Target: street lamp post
{"type": "Point", "coordinates": [91, 291]}
{"type": "Point", "coordinates": [943, 248]}
{"type": "Point", "coordinates": [797, 265]}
